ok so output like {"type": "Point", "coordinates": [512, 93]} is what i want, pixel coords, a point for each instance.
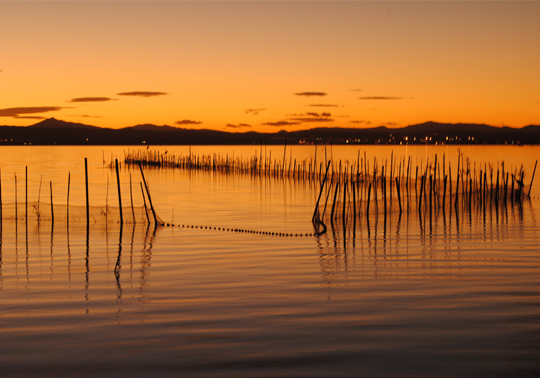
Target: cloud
{"type": "Point", "coordinates": [16, 112]}
{"type": "Point", "coordinates": [281, 123]}
{"type": "Point", "coordinates": [323, 106]}
{"type": "Point", "coordinates": [380, 98]}
{"type": "Point", "coordinates": [187, 122]}
{"type": "Point", "coordinates": [85, 116]}
{"type": "Point", "coordinates": [389, 124]}
{"type": "Point", "coordinates": [310, 94]}
{"type": "Point", "coordinates": [356, 90]}
{"type": "Point", "coordinates": [310, 114]}
{"type": "Point", "coordinates": [240, 126]}
{"type": "Point", "coordinates": [362, 122]}
{"type": "Point", "coordinates": [90, 99]}
{"type": "Point", "coordinates": [312, 119]}
{"type": "Point", "coordinates": [28, 117]}
{"type": "Point", "coordinates": [142, 94]}
{"type": "Point", "coordinates": [319, 115]}
{"type": "Point", "coordinates": [254, 111]}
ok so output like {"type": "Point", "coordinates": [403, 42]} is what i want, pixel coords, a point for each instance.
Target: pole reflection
{"type": "Point", "coordinates": [432, 238]}
{"type": "Point", "coordinates": [75, 254]}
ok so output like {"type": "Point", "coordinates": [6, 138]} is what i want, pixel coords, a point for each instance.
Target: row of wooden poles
{"type": "Point", "coordinates": [432, 179]}
{"type": "Point", "coordinates": [352, 189]}
{"type": "Point", "coordinates": [144, 191]}
{"type": "Point", "coordinates": [256, 165]}
{"type": "Point", "coordinates": [349, 188]}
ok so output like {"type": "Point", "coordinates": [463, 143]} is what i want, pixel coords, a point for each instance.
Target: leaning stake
{"type": "Point", "coordinates": [119, 192]}
{"type": "Point", "coordinates": [320, 193]}
{"type": "Point", "coordinates": [149, 198]}
{"type": "Point", "coordinates": [532, 178]}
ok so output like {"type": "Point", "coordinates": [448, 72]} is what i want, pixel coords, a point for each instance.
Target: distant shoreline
{"type": "Point", "coordinates": [56, 132]}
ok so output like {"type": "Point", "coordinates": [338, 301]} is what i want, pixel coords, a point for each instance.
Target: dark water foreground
{"type": "Point", "coordinates": [448, 295]}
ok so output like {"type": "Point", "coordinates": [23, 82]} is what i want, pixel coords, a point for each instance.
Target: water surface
{"type": "Point", "coordinates": [421, 294]}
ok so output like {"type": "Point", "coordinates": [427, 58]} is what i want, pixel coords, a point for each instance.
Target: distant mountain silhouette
{"type": "Point", "coordinates": [430, 127]}
{"type": "Point", "coordinates": [53, 131]}
{"type": "Point", "coordinates": [150, 127]}
{"type": "Point", "coordinates": [53, 123]}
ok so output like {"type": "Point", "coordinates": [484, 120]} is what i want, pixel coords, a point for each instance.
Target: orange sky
{"type": "Point", "coordinates": [268, 66]}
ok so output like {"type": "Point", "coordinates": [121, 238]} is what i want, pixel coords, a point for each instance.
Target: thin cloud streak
{"type": "Point", "coordinates": [319, 115]}
{"type": "Point", "coordinates": [306, 120]}
{"type": "Point", "coordinates": [29, 117]}
{"type": "Point", "coordinates": [280, 123]}
{"type": "Point", "coordinates": [85, 116]}
{"type": "Point", "coordinates": [15, 112]}
{"type": "Point", "coordinates": [380, 98]}
{"type": "Point", "coordinates": [389, 124]}
{"type": "Point", "coordinates": [142, 94]}
{"type": "Point", "coordinates": [362, 122]}
{"type": "Point", "coordinates": [323, 106]}
{"type": "Point", "coordinates": [310, 94]}
{"type": "Point", "coordinates": [240, 126]}
{"type": "Point", "coordinates": [187, 122]}
{"type": "Point", "coordinates": [254, 111]}
{"type": "Point", "coordinates": [91, 99]}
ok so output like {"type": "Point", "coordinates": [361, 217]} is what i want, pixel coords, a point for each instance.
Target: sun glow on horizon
{"type": "Point", "coordinates": [269, 66]}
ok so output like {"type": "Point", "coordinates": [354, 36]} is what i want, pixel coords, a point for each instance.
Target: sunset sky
{"type": "Point", "coordinates": [270, 66]}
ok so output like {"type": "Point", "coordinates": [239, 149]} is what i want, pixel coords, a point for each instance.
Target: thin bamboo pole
{"type": "Point", "coordinates": [131, 196]}
{"type": "Point", "coordinates": [87, 199]}
{"type": "Point", "coordinates": [119, 193]}
{"type": "Point", "coordinates": [532, 178]}
{"type": "Point", "coordinates": [149, 198]}
{"type": "Point", "coordinates": [52, 206]}
{"type": "Point", "coordinates": [1, 213]}
{"type": "Point", "coordinates": [144, 202]}
{"type": "Point", "coordinates": [67, 200]}
{"type": "Point", "coordinates": [398, 194]}
{"type": "Point", "coordinates": [26, 190]}
{"type": "Point", "coordinates": [320, 192]}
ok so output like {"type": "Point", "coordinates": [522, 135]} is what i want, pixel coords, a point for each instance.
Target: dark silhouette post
{"type": "Point", "coordinates": [119, 193]}
{"type": "Point", "coordinates": [87, 200]}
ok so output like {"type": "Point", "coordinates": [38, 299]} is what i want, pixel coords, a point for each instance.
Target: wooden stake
{"type": "Point", "coordinates": [144, 201]}
{"type": "Point", "coordinates": [334, 203]}
{"type": "Point", "coordinates": [368, 200]}
{"type": "Point", "coordinates": [26, 191]}
{"type": "Point", "coordinates": [67, 201]}
{"type": "Point", "coordinates": [532, 178]}
{"type": "Point", "coordinates": [320, 192]}
{"type": "Point", "coordinates": [398, 194]}
{"type": "Point", "coordinates": [149, 198]}
{"type": "Point", "coordinates": [1, 200]}
{"type": "Point", "coordinates": [119, 192]}
{"type": "Point", "coordinates": [52, 208]}
{"type": "Point", "coordinates": [131, 196]}
{"type": "Point", "coordinates": [87, 200]}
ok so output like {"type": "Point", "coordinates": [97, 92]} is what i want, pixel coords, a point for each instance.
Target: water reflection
{"type": "Point", "coordinates": [432, 240]}
{"type": "Point", "coordinates": [74, 252]}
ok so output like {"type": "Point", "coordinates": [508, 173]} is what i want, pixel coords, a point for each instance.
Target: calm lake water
{"type": "Point", "coordinates": [449, 294]}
